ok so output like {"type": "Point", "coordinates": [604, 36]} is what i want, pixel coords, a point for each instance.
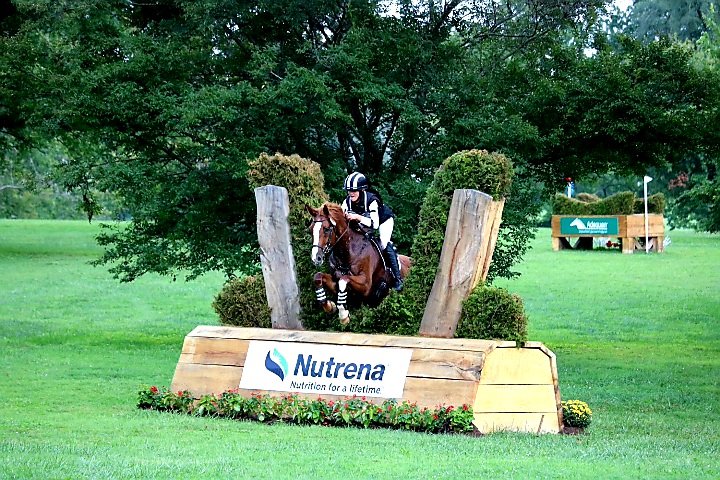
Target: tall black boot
{"type": "Point", "coordinates": [391, 255]}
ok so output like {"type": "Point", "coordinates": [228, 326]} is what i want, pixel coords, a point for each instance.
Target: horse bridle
{"type": "Point", "coordinates": [328, 231]}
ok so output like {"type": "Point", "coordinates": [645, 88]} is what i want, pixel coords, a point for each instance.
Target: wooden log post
{"type": "Point", "coordinates": [470, 238]}
{"type": "Point", "coordinates": [276, 257]}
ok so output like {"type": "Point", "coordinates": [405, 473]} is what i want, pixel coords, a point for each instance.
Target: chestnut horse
{"type": "Point", "coordinates": [355, 261]}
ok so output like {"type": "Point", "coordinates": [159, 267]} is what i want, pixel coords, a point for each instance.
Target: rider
{"type": "Point", "coordinates": [367, 208]}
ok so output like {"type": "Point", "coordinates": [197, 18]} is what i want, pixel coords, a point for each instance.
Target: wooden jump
{"type": "Point", "coordinates": [629, 229]}
{"type": "Point", "coordinates": [508, 388]}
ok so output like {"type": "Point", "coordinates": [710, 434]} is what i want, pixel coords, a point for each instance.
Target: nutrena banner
{"type": "Point", "coordinates": [589, 226]}
{"type": "Point", "coordinates": [326, 369]}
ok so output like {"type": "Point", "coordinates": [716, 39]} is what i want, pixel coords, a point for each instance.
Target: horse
{"type": "Point", "coordinates": [356, 262]}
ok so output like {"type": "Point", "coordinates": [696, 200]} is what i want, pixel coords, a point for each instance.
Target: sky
{"type": "Point", "coordinates": [623, 4]}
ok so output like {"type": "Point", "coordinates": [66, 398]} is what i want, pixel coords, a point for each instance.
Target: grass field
{"type": "Point", "coordinates": [636, 336]}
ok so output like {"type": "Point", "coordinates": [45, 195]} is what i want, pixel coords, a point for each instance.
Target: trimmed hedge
{"type": "Point", "coordinates": [491, 312]}
{"type": "Point", "coordinates": [623, 203]}
{"type": "Point", "coordinates": [242, 303]}
{"type": "Point", "coordinates": [237, 303]}
{"type": "Point", "coordinates": [490, 173]}
{"type": "Point", "coordinates": [587, 197]}
{"type": "Point", "coordinates": [656, 204]}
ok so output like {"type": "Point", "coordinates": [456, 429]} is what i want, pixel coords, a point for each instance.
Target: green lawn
{"type": "Point", "coordinates": [636, 336]}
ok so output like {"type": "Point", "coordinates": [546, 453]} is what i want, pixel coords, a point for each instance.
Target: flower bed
{"type": "Point", "coordinates": [349, 412]}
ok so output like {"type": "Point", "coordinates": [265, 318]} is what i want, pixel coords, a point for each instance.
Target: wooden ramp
{"type": "Point", "coordinates": [509, 388]}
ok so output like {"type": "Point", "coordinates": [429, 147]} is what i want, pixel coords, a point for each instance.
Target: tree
{"type": "Point", "coordinates": [164, 102]}
{"type": "Point", "coordinates": [650, 20]}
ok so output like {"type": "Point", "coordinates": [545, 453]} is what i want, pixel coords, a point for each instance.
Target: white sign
{"type": "Point", "coordinates": [326, 369]}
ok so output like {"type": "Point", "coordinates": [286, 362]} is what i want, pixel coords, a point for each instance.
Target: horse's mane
{"type": "Point", "coordinates": [336, 213]}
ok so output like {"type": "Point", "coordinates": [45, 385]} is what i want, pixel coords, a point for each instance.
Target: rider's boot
{"type": "Point", "coordinates": [391, 255]}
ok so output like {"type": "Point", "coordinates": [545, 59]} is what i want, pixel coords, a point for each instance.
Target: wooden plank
{"type": "Point", "coordinates": [545, 422]}
{"type": "Point", "coordinates": [338, 338]}
{"type": "Point", "coordinates": [636, 225]}
{"type": "Point", "coordinates": [214, 351]}
{"type": "Point", "coordinates": [515, 399]}
{"type": "Point", "coordinates": [495, 219]}
{"type": "Point", "coordinates": [628, 245]}
{"type": "Point", "coordinates": [429, 363]}
{"type": "Point", "coordinates": [517, 366]}
{"type": "Point", "coordinates": [467, 222]}
{"type": "Point", "coordinates": [204, 379]}
{"type": "Point", "coordinates": [216, 379]}
{"type": "Point", "coordinates": [446, 364]}
{"type": "Point", "coordinates": [660, 244]}
{"type": "Point", "coordinates": [276, 256]}
{"type": "Point", "coordinates": [555, 225]}
{"type": "Point", "coordinates": [556, 244]}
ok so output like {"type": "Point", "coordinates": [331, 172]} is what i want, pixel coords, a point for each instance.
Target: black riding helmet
{"type": "Point", "coordinates": [355, 182]}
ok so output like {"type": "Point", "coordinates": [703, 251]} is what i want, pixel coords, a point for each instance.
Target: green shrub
{"type": "Point", "coordinates": [656, 204]}
{"type": "Point", "coordinates": [304, 182]}
{"type": "Point", "coordinates": [491, 312]}
{"type": "Point", "coordinates": [490, 173]}
{"type": "Point", "coordinates": [242, 303]}
{"type": "Point", "coordinates": [587, 197]}
{"type": "Point", "coordinates": [622, 203]}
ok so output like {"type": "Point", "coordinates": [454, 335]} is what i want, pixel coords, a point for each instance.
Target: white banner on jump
{"type": "Point", "coordinates": [326, 369]}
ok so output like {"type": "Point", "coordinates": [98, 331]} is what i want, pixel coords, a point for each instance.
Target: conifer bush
{"type": "Point", "coordinates": [242, 303]}
{"type": "Point", "coordinates": [238, 301]}
{"type": "Point", "coordinates": [491, 312]}
{"type": "Point", "coordinates": [490, 173]}
{"type": "Point", "coordinates": [623, 203]}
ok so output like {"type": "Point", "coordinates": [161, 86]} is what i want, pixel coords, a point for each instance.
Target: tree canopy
{"type": "Point", "coordinates": [164, 102]}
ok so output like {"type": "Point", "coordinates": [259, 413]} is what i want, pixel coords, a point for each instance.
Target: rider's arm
{"type": "Point", "coordinates": [373, 221]}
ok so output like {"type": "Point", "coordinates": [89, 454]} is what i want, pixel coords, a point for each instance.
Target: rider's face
{"type": "Point", "coordinates": [354, 196]}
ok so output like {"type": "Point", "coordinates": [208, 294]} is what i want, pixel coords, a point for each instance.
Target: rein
{"type": "Point", "coordinates": [328, 247]}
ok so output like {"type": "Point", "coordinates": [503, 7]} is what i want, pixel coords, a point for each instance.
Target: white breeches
{"type": "Point", "coordinates": [385, 230]}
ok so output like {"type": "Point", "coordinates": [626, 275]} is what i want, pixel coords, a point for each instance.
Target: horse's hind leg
{"type": "Point", "coordinates": [321, 281]}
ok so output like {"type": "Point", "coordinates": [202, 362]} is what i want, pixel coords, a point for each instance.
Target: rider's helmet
{"type": "Point", "coordinates": [355, 182]}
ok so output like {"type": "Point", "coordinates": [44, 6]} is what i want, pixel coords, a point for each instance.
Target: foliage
{"type": "Point", "coordinates": [699, 207]}
{"type": "Point", "coordinates": [495, 313]}
{"type": "Point", "coordinates": [623, 203]}
{"type": "Point", "coordinates": [242, 302]}
{"type": "Point", "coordinates": [174, 97]}
{"type": "Point", "coordinates": [346, 412]}
{"type": "Point", "coordinates": [473, 169]}
{"type": "Point", "coordinates": [304, 182]}
{"type": "Point", "coordinates": [576, 413]}
{"type": "Point", "coordinates": [651, 19]}
{"type": "Point", "coordinates": [165, 400]}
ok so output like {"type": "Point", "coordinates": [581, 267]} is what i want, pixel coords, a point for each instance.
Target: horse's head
{"type": "Point", "coordinates": [323, 228]}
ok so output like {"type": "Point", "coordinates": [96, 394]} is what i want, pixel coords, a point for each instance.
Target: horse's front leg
{"type": "Point", "coordinates": [323, 280]}
{"type": "Point", "coordinates": [357, 283]}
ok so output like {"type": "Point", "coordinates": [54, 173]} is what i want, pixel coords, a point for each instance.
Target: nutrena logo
{"type": "Point", "coordinates": [306, 366]}
{"type": "Point", "coordinates": [321, 368]}
{"type": "Point", "coordinates": [276, 363]}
